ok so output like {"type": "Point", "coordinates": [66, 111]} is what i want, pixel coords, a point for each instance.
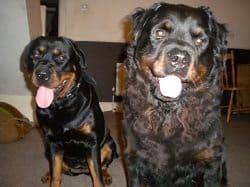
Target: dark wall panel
{"type": "Point", "coordinates": [101, 59]}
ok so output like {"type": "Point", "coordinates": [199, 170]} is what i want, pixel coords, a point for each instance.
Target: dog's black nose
{"type": "Point", "coordinates": [179, 58]}
{"type": "Point", "coordinates": [42, 75]}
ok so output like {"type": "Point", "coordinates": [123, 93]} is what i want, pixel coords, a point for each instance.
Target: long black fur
{"type": "Point", "coordinates": [175, 141]}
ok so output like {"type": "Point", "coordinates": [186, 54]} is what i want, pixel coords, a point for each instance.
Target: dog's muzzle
{"type": "Point", "coordinates": [42, 71]}
{"type": "Point", "coordinates": [43, 75]}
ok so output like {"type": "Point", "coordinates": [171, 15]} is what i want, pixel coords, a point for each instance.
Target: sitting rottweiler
{"type": "Point", "coordinates": [68, 111]}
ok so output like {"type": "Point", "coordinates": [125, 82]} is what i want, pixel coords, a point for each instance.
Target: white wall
{"type": "Point", "coordinates": [102, 20]}
{"type": "Point", "coordinates": [14, 36]}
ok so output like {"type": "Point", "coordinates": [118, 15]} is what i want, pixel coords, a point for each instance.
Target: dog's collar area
{"type": "Point", "coordinates": [72, 93]}
{"type": "Point", "coordinates": [73, 90]}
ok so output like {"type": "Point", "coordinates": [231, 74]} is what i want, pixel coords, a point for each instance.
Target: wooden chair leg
{"type": "Point", "coordinates": [230, 106]}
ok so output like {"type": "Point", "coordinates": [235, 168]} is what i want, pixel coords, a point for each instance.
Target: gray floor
{"type": "Point", "coordinates": [23, 163]}
{"type": "Point", "coordinates": [237, 140]}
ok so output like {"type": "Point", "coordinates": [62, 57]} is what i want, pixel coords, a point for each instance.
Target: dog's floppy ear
{"type": "Point", "coordinates": [25, 64]}
{"type": "Point", "coordinates": [140, 18]}
{"type": "Point", "coordinates": [221, 38]}
{"type": "Point", "coordinates": [81, 64]}
{"type": "Point", "coordinates": [220, 32]}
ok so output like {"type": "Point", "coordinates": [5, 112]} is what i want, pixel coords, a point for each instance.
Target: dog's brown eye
{"type": "Point", "coordinates": [61, 58]}
{"type": "Point", "coordinates": [199, 41]}
{"type": "Point", "coordinates": [199, 36]}
{"type": "Point", "coordinates": [160, 33]}
{"type": "Point", "coordinates": [36, 54]}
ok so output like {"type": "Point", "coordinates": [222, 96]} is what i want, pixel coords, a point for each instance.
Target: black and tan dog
{"type": "Point", "coordinates": [68, 110]}
{"type": "Point", "coordinates": [172, 102]}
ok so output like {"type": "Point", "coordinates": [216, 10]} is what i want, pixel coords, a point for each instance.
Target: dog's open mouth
{"type": "Point", "coordinates": [45, 96]}
{"type": "Point", "coordinates": [170, 86]}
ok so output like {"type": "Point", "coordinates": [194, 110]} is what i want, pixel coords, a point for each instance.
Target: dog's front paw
{"type": "Point", "coordinates": [46, 178]}
{"type": "Point", "coordinates": [107, 179]}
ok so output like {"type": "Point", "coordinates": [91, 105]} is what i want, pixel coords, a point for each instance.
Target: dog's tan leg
{"type": "Point", "coordinates": [106, 154]}
{"type": "Point", "coordinates": [57, 164]}
{"type": "Point", "coordinates": [95, 172]}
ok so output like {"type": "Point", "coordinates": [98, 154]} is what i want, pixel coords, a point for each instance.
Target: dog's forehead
{"type": "Point", "coordinates": [52, 43]}
{"type": "Point", "coordinates": [181, 14]}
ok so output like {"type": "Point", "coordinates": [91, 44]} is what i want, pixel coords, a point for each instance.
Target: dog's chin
{"type": "Point", "coordinates": [60, 89]}
{"type": "Point", "coordinates": [159, 96]}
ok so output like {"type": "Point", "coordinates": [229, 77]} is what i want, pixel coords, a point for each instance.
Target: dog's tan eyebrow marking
{"type": "Point", "coordinates": [42, 49]}
{"type": "Point", "coordinates": [198, 31]}
{"type": "Point", "coordinates": [168, 25]}
{"type": "Point", "coordinates": [56, 52]}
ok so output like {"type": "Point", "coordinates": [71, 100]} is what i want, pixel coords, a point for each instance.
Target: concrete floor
{"type": "Point", "coordinates": [237, 139]}
{"type": "Point", "coordinates": [23, 163]}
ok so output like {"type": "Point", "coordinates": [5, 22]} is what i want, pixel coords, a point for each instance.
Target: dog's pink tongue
{"type": "Point", "coordinates": [44, 97]}
{"type": "Point", "coordinates": [170, 86]}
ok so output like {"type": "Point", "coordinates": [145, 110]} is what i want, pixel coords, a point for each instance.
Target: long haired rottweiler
{"type": "Point", "coordinates": [68, 110]}
{"type": "Point", "coordinates": [172, 103]}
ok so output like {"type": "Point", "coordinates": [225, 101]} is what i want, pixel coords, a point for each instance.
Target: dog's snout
{"type": "Point", "coordinates": [43, 62]}
{"type": "Point", "coordinates": [178, 58]}
{"type": "Point", "coordinates": [43, 75]}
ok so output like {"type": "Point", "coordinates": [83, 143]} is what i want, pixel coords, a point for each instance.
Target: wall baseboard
{"type": "Point", "coordinates": [25, 104]}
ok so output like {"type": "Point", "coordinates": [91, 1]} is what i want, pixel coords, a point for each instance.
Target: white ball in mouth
{"type": "Point", "coordinates": [170, 86]}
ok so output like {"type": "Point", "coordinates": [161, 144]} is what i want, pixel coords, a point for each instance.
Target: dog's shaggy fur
{"type": "Point", "coordinates": [175, 141]}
